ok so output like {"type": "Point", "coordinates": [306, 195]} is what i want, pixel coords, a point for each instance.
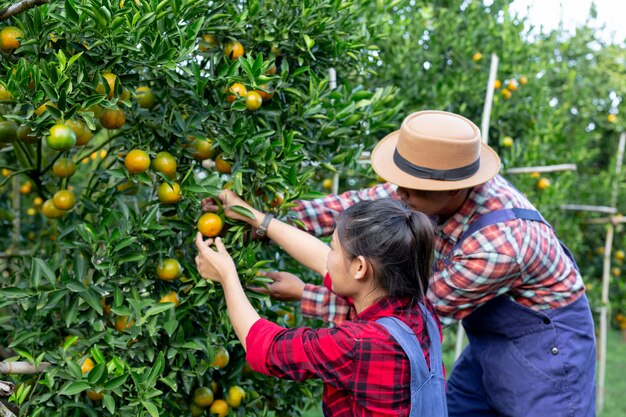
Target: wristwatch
{"type": "Point", "coordinates": [262, 230]}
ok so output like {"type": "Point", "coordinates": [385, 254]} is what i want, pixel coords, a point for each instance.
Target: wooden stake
{"type": "Point", "coordinates": [22, 368]}
{"type": "Point", "coordinates": [546, 168]}
{"type": "Point", "coordinates": [493, 70]}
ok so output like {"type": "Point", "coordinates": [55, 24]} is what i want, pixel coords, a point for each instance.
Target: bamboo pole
{"type": "Point", "coordinates": [544, 168]}
{"type": "Point", "coordinates": [22, 368]}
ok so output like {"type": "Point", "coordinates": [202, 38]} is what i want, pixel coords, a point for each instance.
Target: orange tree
{"type": "Point", "coordinates": [130, 117]}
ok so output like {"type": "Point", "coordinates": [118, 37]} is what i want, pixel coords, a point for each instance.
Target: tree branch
{"type": "Point", "coordinates": [17, 8]}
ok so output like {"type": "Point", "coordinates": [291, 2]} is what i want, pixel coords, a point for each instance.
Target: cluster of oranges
{"type": "Point", "coordinates": [510, 86]}
{"type": "Point", "coordinates": [204, 397]}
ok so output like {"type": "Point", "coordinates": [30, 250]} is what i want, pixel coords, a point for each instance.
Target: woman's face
{"type": "Point", "coordinates": [338, 267]}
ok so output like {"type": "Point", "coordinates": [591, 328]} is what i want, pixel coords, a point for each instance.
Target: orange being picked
{"type": "Point", "coordinates": [61, 137]}
{"type": "Point", "coordinates": [64, 168]}
{"type": "Point", "coordinates": [165, 163]}
{"type": "Point", "coordinates": [233, 50]}
{"type": "Point", "coordinates": [171, 297]}
{"type": "Point", "coordinates": [169, 194]}
{"type": "Point", "coordinates": [168, 269]}
{"type": "Point", "coordinates": [253, 100]}
{"type": "Point", "coordinates": [219, 408]}
{"type": "Point", "coordinates": [203, 397]}
{"type": "Point", "coordinates": [137, 161]}
{"type": "Point", "coordinates": [223, 166]}
{"type": "Point", "coordinates": [87, 365]}
{"type": "Point", "coordinates": [64, 200]}
{"type": "Point", "coordinates": [145, 97]}
{"type": "Point", "coordinates": [9, 38]}
{"type": "Point", "coordinates": [50, 211]}
{"type": "Point", "coordinates": [112, 118]}
{"type": "Point", "coordinates": [210, 224]}
{"type": "Point", "coordinates": [81, 130]}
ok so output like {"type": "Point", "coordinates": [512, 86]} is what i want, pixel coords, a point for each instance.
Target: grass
{"type": "Point", "coordinates": [615, 384]}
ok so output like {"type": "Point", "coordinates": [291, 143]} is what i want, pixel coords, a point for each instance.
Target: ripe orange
{"type": "Point", "coordinates": [277, 200]}
{"type": "Point", "coordinates": [94, 395]}
{"type": "Point", "coordinates": [207, 41]}
{"type": "Point", "coordinates": [87, 365]}
{"type": "Point", "coordinates": [477, 57]}
{"type": "Point", "coordinates": [50, 211]}
{"type": "Point", "coordinates": [128, 188]}
{"type": "Point", "coordinates": [506, 94]}
{"type": "Point", "coordinates": [543, 183]}
{"type": "Point", "coordinates": [165, 163]}
{"type": "Point", "coordinates": [235, 91]}
{"type": "Point", "coordinates": [168, 269]}
{"type": "Point", "coordinates": [137, 161]}
{"type": "Point", "coordinates": [201, 149]}
{"type": "Point", "coordinates": [233, 50]}
{"type": "Point", "coordinates": [26, 135]}
{"type": "Point", "coordinates": [535, 175]}
{"type": "Point", "coordinates": [26, 188]}
{"type": "Point", "coordinates": [61, 138]}
{"type": "Point", "coordinates": [110, 78]}
{"type": "Point", "coordinates": [44, 106]}
{"type": "Point", "coordinates": [5, 95]}
{"type": "Point", "coordinates": [203, 397]}
{"type": "Point", "coordinates": [37, 201]}
{"type": "Point", "coordinates": [253, 100]}
{"type": "Point", "coordinates": [271, 70]}
{"type": "Point", "coordinates": [523, 80]}
{"type": "Point", "coordinates": [611, 118]}
{"type": "Point", "coordinates": [8, 131]}
{"type": "Point", "coordinates": [81, 130]}
{"type": "Point", "coordinates": [112, 118]}
{"type": "Point", "coordinates": [210, 224]}
{"type": "Point", "coordinates": [64, 200]}
{"type": "Point", "coordinates": [171, 297]}
{"type": "Point", "coordinates": [9, 38]}
{"type": "Point", "coordinates": [145, 97]}
{"type": "Point", "coordinates": [235, 396]}
{"type": "Point", "coordinates": [497, 84]}
{"type": "Point", "coordinates": [327, 183]}
{"type": "Point", "coordinates": [169, 194]}
{"type": "Point", "coordinates": [507, 141]}
{"type": "Point", "coordinates": [266, 92]}
{"type": "Point", "coordinates": [219, 408]}
{"type": "Point", "coordinates": [620, 255]}
{"type": "Point", "coordinates": [615, 271]}
{"type": "Point", "coordinates": [221, 357]}
{"type": "Point", "coordinates": [122, 324]}
{"type": "Point", "coordinates": [511, 85]}
{"type": "Point", "coordinates": [223, 166]}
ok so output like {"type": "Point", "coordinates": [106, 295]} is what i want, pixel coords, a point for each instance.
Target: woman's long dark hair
{"type": "Point", "coordinates": [397, 241]}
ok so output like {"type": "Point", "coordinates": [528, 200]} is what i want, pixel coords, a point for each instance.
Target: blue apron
{"type": "Point", "coordinates": [522, 362]}
{"type": "Point", "coordinates": [428, 397]}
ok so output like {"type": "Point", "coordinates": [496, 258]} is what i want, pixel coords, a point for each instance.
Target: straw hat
{"type": "Point", "coordinates": [435, 151]}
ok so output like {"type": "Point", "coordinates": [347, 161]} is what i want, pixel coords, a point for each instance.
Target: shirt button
{"type": "Point", "coordinates": [555, 350]}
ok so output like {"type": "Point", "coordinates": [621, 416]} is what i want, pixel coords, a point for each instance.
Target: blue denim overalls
{"type": "Point", "coordinates": [522, 362]}
{"type": "Point", "coordinates": [428, 397]}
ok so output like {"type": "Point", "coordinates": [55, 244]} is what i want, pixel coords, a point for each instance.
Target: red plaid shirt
{"type": "Point", "coordinates": [520, 258]}
{"type": "Point", "coordinates": [365, 371]}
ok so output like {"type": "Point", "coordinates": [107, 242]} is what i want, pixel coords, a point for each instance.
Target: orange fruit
{"type": "Point", "coordinates": [81, 130]}
{"type": "Point", "coordinates": [94, 395]}
{"type": "Point", "coordinates": [203, 397]}
{"type": "Point", "coordinates": [277, 200]}
{"type": "Point", "coordinates": [110, 78]}
{"type": "Point", "coordinates": [523, 80]}
{"type": "Point", "coordinates": [137, 161]}
{"type": "Point", "coordinates": [26, 135]}
{"type": "Point", "coordinates": [620, 255]}
{"type": "Point", "coordinates": [223, 166]}
{"type": "Point", "coordinates": [145, 97]}
{"type": "Point", "coordinates": [543, 183]}
{"type": "Point", "coordinates": [128, 188]}
{"type": "Point", "coordinates": [511, 85]}
{"type": "Point", "coordinates": [165, 163]}
{"type": "Point", "coordinates": [195, 410]}
{"type": "Point", "coordinates": [87, 365]}
{"type": "Point", "coordinates": [201, 149]}
{"type": "Point", "coordinates": [169, 194]}
{"type": "Point", "coordinates": [497, 84]}
{"type": "Point", "coordinates": [235, 91]}
{"type": "Point", "coordinates": [8, 131]}
{"type": "Point", "coordinates": [611, 118]}
{"type": "Point", "coordinates": [253, 100]}
{"type": "Point", "coordinates": [112, 118]}
{"type": "Point", "coordinates": [5, 95]}
{"type": "Point", "coordinates": [122, 324]}
{"type": "Point", "coordinates": [275, 50]}
{"type": "Point", "coordinates": [271, 70]}
{"type": "Point", "coordinates": [210, 224]}
{"type": "Point", "coordinates": [265, 92]}
{"type": "Point", "coordinates": [207, 41]}
{"type": "Point", "coordinates": [233, 50]}
{"type": "Point", "coordinates": [38, 201]}
{"type": "Point", "coordinates": [26, 188]}
{"type": "Point", "coordinates": [507, 141]}
{"type": "Point", "coordinates": [168, 269]}
{"type": "Point", "coordinates": [327, 183]}
{"type": "Point", "coordinates": [44, 106]}
{"type": "Point", "coordinates": [64, 200]}
{"type": "Point", "coordinates": [50, 211]}
{"type": "Point", "coordinates": [615, 271]}
{"type": "Point", "coordinates": [506, 94]}
{"type": "Point", "coordinates": [477, 57]}
{"type": "Point", "coordinates": [221, 357]}
{"type": "Point", "coordinates": [9, 38]}
{"type": "Point", "coordinates": [219, 408]}
{"type": "Point", "coordinates": [171, 297]}
{"type": "Point", "coordinates": [61, 138]}
{"type": "Point", "coordinates": [235, 396]}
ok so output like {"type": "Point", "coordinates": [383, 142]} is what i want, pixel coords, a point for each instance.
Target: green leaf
{"type": "Point", "coordinates": [109, 403]}
{"type": "Point", "coordinates": [115, 382]}
{"type": "Point", "coordinates": [73, 388]}
{"type": "Point", "coordinates": [243, 211]}
{"type": "Point", "coordinates": [152, 409]}
{"type": "Point", "coordinates": [156, 309]}
{"type": "Point", "coordinates": [70, 11]}
{"type": "Point", "coordinates": [45, 269]}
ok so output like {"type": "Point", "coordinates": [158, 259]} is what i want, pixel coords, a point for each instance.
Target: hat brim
{"type": "Point", "coordinates": [384, 166]}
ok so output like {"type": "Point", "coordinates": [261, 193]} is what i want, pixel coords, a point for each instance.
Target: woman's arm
{"type": "Point", "coordinates": [217, 265]}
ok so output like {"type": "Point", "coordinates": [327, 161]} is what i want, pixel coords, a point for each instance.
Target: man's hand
{"type": "Point", "coordinates": [285, 286]}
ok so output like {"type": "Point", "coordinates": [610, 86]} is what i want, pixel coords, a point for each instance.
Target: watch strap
{"type": "Point", "coordinates": [262, 230]}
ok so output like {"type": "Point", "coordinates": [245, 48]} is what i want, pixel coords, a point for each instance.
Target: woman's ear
{"type": "Point", "coordinates": [360, 267]}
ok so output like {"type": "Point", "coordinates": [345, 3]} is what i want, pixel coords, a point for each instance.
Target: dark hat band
{"type": "Point", "coordinates": [435, 174]}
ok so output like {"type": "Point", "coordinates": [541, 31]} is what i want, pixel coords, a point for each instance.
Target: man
{"type": "Point", "coordinates": [498, 267]}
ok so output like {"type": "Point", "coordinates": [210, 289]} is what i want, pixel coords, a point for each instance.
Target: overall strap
{"type": "Point", "coordinates": [435, 350]}
{"type": "Point", "coordinates": [411, 346]}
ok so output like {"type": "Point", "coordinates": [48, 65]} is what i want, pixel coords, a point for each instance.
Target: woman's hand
{"type": "Point", "coordinates": [230, 199]}
{"type": "Point", "coordinates": [285, 286]}
{"type": "Point", "coordinates": [216, 265]}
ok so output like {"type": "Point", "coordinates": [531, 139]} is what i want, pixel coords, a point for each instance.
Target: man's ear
{"type": "Point", "coordinates": [360, 267]}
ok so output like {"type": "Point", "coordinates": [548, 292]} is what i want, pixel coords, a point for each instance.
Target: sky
{"type": "Point", "coordinates": [548, 13]}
